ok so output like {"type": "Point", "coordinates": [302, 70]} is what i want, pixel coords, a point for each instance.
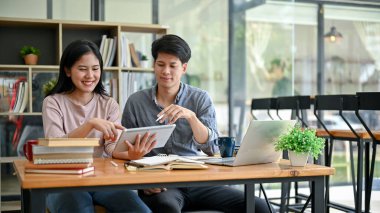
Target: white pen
{"type": "Point", "coordinates": [114, 164]}
{"type": "Point", "coordinates": [160, 117]}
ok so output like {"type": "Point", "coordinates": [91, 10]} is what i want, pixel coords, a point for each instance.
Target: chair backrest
{"type": "Point", "coordinates": [367, 101]}
{"type": "Point", "coordinates": [297, 103]}
{"type": "Point", "coordinates": [339, 103]}
{"type": "Point", "coordinates": [336, 102]}
{"type": "Point", "coordinates": [263, 104]}
{"type": "Point", "coordinates": [293, 102]}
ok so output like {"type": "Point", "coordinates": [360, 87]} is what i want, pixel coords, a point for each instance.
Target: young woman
{"type": "Point", "coordinates": [78, 106]}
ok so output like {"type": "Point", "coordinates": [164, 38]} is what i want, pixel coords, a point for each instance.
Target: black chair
{"type": "Point", "coordinates": [369, 101]}
{"type": "Point", "coordinates": [298, 105]}
{"type": "Point", "coordinates": [342, 103]}
{"type": "Point", "coordinates": [266, 104]}
{"type": "Point", "coordinates": [263, 104]}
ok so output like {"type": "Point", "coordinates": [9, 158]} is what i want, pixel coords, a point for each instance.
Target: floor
{"type": "Point", "coordinates": [340, 194]}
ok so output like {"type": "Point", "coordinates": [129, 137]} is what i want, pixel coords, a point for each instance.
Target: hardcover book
{"type": "Point", "coordinates": [135, 57]}
{"type": "Point", "coordinates": [68, 142]}
{"type": "Point", "coordinates": [61, 171]}
{"type": "Point", "coordinates": [59, 168]}
{"type": "Point", "coordinates": [30, 165]}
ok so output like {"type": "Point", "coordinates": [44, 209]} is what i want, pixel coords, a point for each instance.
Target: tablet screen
{"type": "Point", "coordinates": [163, 133]}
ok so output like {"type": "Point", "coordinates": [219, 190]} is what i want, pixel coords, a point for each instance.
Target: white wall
{"type": "Point", "coordinates": [23, 8]}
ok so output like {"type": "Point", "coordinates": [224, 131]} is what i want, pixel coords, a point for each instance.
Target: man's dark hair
{"type": "Point", "coordinates": [278, 62]}
{"type": "Point", "coordinates": [172, 44]}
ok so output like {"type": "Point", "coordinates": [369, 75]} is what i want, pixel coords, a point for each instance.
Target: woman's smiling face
{"type": "Point", "coordinates": [85, 73]}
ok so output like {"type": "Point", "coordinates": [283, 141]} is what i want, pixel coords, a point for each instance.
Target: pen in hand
{"type": "Point", "coordinates": [160, 117]}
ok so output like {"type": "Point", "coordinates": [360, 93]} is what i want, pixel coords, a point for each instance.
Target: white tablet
{"type": "Point", "coordinates": [163, 133]}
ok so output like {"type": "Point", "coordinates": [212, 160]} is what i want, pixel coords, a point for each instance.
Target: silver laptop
{"type": "Point", "coordinates": [257, 145]}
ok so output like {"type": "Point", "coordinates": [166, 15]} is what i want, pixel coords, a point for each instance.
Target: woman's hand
{"type": "Point", "coordinates": [175, 112]}
{"type": "Point", "coordinates": [154, 191]}
{"type": "Point", "coordinates": [141, 147]}
{"type": "Point", "coordinates": [108, 128]}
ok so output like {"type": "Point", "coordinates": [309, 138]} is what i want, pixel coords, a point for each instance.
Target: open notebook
{"type": "Point", "coordinates": [164, 162]}
{"type": "Point", "coordinates": [161, 159]}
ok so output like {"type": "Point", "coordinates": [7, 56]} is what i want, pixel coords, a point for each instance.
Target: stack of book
{"type": "Point", "coordinates": [108, 50]}
{"type": "Point", "coordinates": [63, 156]}
{"type": "Point", "coordinates": [20, 96]}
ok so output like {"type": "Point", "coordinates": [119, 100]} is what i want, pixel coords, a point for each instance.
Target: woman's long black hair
{"type": "Point", "coordinates": [72, 53]}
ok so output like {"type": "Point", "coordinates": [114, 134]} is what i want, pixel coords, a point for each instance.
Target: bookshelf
{"type": "Point", "coordinates": [51, 37]}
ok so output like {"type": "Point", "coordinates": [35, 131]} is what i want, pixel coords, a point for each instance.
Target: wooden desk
{"type": "Point", "coordinates": [34, 187]}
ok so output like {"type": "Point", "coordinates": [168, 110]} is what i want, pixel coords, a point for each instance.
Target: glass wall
{"type": "Point", "coordinates": [23, 9]}
{"type": "Point", "coordinates": [353, 62]}
{"type": "Point", "coordinates": [71, 9]}
{"type": "Point", "coordinates": [280, 56]}
{"type": "Point", "coordinates": [351, 65]}
{"type": "Point", "coordinates": [203, 24]}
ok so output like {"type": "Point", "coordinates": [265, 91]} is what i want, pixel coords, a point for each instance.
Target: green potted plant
{"type": "Point", "coordinates": [300, 143]}
{"type": "Point", "coordinates": [48, 86]}
{"type": "Point", "coordinates": [30, 54]}
{"type": "Point", "coordinates": [144, 61]}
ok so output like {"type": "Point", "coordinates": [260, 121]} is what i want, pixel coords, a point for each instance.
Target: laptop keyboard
{"type": "Point", "coordinates": [230, 159]}
{"type": "Point", "coordinates": [220, 160]}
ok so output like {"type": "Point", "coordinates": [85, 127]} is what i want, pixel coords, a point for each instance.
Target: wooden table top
{"type": "Point", "coordinates": [347, 134]}
{"type": "Point", "coordinates": [107, 174]}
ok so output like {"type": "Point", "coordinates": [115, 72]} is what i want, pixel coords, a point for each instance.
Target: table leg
{"type": "Point", "coordinates": [25, 204]}
{"type": "Point", "coordinates": [318, 200]}
{"type": "Point", "coordinates": [33, 201]}
{"type": "Point", "coordinates": [250, 197]}
{"type": "Point", "coordinates": [359, 187]}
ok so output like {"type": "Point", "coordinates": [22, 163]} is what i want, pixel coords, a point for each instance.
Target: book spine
{"type": "Point", "coordinates": [49, 150]}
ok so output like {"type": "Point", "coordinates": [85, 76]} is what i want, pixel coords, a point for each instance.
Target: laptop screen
{"type": "Point", "coordinates": [257, 145]}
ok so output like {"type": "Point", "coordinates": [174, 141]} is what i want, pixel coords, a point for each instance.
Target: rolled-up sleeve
{"type": "Point", "coordinates": [52, 118]}
{"type": "Point", "coordinates": [207, 116]}
{"type": "Point", "coordinates": [113, 116]}
{"type": "Point", "coordinates": [129, 115]}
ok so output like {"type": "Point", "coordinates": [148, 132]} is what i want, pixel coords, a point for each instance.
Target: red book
{"type": "Point", "coordinates": [58, 168]}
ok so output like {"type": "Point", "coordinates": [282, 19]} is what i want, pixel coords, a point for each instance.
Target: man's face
{"type": "Point", "coordinates": [277, 72]}
{"type": "Point", "coordinates": [168, 70]}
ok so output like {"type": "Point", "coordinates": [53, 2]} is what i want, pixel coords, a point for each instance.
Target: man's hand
{"type": "Point", "coordinates": [154, 191]}
{"type": "Point", "coordinates": [142, 146]}
{"type": "Point", "coordinates": [174, 112]}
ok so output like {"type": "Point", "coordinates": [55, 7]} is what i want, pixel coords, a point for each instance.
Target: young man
{"type": "Point", "coordinates": [192, 111]}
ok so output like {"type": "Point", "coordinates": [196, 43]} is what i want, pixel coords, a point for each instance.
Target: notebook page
{"type": "Point", "coordinates": [163, 159]}
{"type": "Point", "coordinates": [156, 160]}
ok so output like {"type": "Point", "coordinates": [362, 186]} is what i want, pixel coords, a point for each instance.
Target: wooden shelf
{"type": "Point", "coordinates": [136, 69]}
{"type": "Point", "coordinates": [52, 37]}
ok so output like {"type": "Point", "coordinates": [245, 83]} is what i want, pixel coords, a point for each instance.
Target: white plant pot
{"type": "Point", "coordinates": [144, 64]}
{"type": "Point", "coordinates": [298, 159]}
